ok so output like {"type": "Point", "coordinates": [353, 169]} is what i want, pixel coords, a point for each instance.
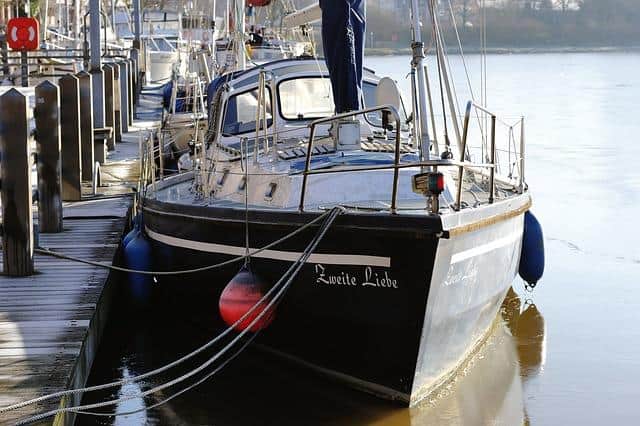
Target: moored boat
{"type": "Point", "coordinates": [409, 278]}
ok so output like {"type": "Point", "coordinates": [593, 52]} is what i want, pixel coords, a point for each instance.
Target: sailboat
{"type": "Point", "coordinates": [408, 279]}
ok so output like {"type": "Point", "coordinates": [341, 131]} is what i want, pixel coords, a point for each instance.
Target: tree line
{"type": "Point", "coordinates": [521, 23]}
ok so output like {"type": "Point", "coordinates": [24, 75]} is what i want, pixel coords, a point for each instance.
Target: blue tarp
{"type": "Point", "coordinates": [343, 29]}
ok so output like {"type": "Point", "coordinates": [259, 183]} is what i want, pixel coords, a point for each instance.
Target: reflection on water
{"type": "Point", "coordinates": [527, 326]}
{"type": "Point", "coordinates": [259, 389]}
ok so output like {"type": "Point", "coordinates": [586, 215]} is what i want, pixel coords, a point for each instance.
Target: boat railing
{"type": "Point", "coordinates": [493, 149]}
{"type": "Point", "coordinates": [397, 166]}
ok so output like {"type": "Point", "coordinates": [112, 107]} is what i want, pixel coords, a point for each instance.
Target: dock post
{"type": "Point", "coordinates": [109, 115]}
{"type": "Point", "coordinates": [47, 118]}
{"type": "Point", "coordinates": [97, 93]}
{"type": "Point", "coordinates": [124, 96]}
{"type": "Point", "coordinates": [70, 131]}
{"type": "Point", "coordinates": [15, 172]}
{"type": "Point", "coordinates": [117, 102]}
{"type": "Point", "coordinates": [86, 125]}
{"type": "Point", "coordinates": [132, 89]}
{"type": "Point", "coordinates": [135, 72]}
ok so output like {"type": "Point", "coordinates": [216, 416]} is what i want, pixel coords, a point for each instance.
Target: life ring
{"type": "Point", "coordinates": [258, 3]}
{"type": "Point", "coordinates": [23, 33]}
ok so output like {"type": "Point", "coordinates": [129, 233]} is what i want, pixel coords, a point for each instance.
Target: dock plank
{"type": "Point", "coordinates": [45, 319]}
{"type": "Point", "coordinates": [51, 322]}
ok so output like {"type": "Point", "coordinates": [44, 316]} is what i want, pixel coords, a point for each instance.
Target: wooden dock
{"type": "Point", "coordinates": [51, 322]}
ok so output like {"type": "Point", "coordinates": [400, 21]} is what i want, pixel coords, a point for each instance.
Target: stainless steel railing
{"type": "Point", "coordinates": [461, 164]}
{"type": "Point", "coordinates": [388, 108]}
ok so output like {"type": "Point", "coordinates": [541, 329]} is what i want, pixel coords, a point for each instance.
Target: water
{"type": "Point", "coordinates": [569, 351]}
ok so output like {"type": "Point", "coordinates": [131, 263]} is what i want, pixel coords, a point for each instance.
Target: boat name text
{"type": "Point", "coordinates": [370, 278]}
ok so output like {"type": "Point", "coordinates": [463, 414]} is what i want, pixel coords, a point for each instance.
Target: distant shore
{"type": "Point", "coordinates": [392, 51]}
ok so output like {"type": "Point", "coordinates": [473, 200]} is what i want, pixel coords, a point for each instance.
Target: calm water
{"type": "Point", "coordinates": [568, 353]}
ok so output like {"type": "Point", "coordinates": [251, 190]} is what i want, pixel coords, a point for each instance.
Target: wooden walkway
{"type": "Point", "coordinates": [51, 322]}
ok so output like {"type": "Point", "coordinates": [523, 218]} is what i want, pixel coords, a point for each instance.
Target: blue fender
{"type": "Point", "coordinates": [138, 256]}
{"type": "Point", "coordinates": [531, 266]}
{"type": "Point", "coordinates": [137, 219]}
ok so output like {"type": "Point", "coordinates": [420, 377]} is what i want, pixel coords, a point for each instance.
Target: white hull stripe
{"type": "Point", "coordinates": [289, 256]}
{"type": "Point", "coordinates": [485, 248]}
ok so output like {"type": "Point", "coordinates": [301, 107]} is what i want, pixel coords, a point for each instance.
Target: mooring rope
{"type": "Point", "coordinates": [161, 369]}
{"type": "Point", "coordinates": [47, 252]}
{"type": "Point", "coordinates": [292, 271]}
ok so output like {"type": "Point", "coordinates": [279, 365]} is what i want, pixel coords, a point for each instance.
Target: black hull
{"type": "Point", "coordinates": [360, 323]}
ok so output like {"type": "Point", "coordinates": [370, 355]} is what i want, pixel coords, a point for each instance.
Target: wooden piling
{"type": "Point", "coordinates": [135, 76]}
{"type": "Point", "coordinates": [47, 118]}
{"type": "Point", "coordinates": [70, 131]}
{"type": "Point", "coordinates": [15, 172]}
{"type": "Point", "coordinates": [86, 125]}
{"type": "Point", "coordinates": [124, 95]}
{"type": "Point", "coordinates": [109, 114]}
{"type": "Point", "coordinates": [132, 95]}
{"type": "Point", "coordinates": [97, 92]}
{"type": "Point", "coordinates": [117, 103]}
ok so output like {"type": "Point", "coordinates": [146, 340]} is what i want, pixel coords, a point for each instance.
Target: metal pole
{"type": "Point", "coordinates": [96, 63]}
{"type": "Point", "coordinates": [77, 25]}
{"type": "Point", "coordinates": [433, 118]}
{"type": "Point", "coordinates": [136, 24]}
{"type": "Point", "coordinates": [492, 171]}
{"type": "Point", "coordinates": [416, 112]}
{"type": "Point", "coordinates": [445, 77]}
{"type": "Point", "coordinates": [417, 62]}
{"type": "Point", "coordinates": [522, 147]}
{"type": "Point", "coordinates": [113, 16]}
{"type": "Point", "coordinates": [24, 65]}
{"type": "Point", "coordinates": [465, 132]}
{"type": "Point", "coordinates": [94, 33]}
{"type": "Point", "coordinates": [239, 32]}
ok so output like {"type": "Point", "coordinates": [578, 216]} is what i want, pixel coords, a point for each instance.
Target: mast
{"type": "Point", "coordinates": [417, 64]}
{"type": "Point", "coordinates": [239, 31]}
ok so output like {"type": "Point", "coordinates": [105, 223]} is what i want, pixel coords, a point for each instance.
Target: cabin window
{"type": "Point", "coordinates": [369, 92]}
{"type": "Point", "coordinates": [240, 113]}
{"type": "Point", "coordinates": [305, 98]}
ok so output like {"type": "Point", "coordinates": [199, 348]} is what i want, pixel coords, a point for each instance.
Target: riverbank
{"type": "Point", "coordinates": [393, 51]}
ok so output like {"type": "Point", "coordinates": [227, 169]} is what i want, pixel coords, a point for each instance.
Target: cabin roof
{"type": "Point", "coordinates": [282, 68]}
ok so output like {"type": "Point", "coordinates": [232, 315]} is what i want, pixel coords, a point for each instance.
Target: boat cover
{"type": "Point", "coordinates": [343, 29]}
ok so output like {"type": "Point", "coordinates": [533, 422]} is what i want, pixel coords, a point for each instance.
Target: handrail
{"type": "Point", "coordinates": [396, 166]}
{"type": "Point", "coordinates": [492, 149]}
{"type": "Point", "coordinates": [392, 110]}
{"type": "Point", "coordinates": [463, 153]}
